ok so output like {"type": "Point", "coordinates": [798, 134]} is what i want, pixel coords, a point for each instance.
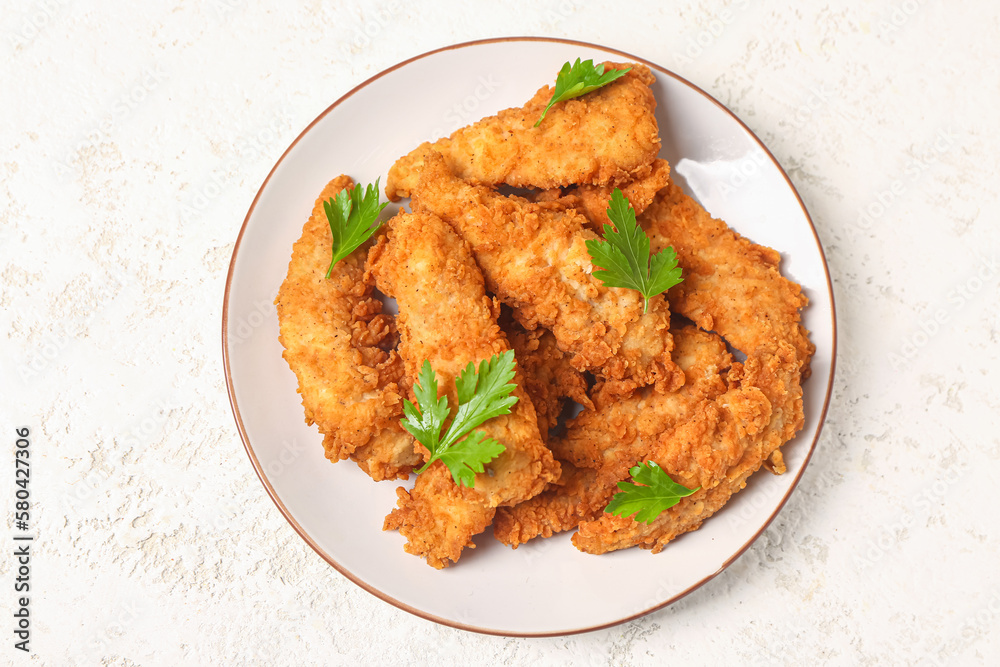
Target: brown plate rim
{"type": "Point", "coordinates": [389, 599]}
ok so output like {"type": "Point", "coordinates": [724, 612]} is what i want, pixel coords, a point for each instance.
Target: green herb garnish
{"type": "Point", "coordinates": [659, 494]}
{"type": "Point", "coordinates": [579, 79]}
{"type": "Point", "coordinates": [482, 395]}
{"type": "Point", "coordinates": [351, 216]}
{"type": "Point", "coordinates": [623, 255]}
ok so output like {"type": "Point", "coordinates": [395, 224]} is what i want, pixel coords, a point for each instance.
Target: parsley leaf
{"type": "Point", "coordinates": [482, 395]}
{"type": "Point", "coordinates": [467, 457]}
{"type": "Point", "coordinates": [623, 255]}
{"type": "Point", "coordinates": [579, 79]}
{"type": "Point", "coordinates": [659, 494]}
{"type": "Point", "coordinates": [351, 215]}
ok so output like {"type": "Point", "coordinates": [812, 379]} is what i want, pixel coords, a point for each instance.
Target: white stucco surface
{"type": "Point", "coordinates": [134, 138]}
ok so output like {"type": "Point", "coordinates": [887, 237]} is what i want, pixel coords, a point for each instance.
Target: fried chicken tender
{"type": "Point", "coordinates": [446, 318]}
{"type": "Point", "coordinates": [639, 192]}
{"type": "Point", "coordinates": [600, 445]}
{"type": "Point", "coordinates": [734, 287]}
{"type": "Point", "coordinates": [573, 498]}
{"type": "Point", "coordinates": [731, 284]}
{"type": "Point", "coordinates": [621, 432]}
{"type": "Point", "coordinates": [438, 517]}
{"type": "Point", "coordinates": [338, 343]}
{"type": "Point", "coordinates": [534, 258]}
{"type": "Point", "coordinates": [549, 379]}
{"type": "Point", "coordinates": [718, 450]}
{"type": "Point", "coordinates": [390, 455]}
{"type": "Point", "coordinates": [607, 136]}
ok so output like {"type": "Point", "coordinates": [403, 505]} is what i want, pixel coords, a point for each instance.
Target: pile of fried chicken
{"type": "Point", "coordinates": [493, 257]}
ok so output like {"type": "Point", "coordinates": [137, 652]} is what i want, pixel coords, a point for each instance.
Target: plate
{"type": "Point", "coordinates": [545, 587]}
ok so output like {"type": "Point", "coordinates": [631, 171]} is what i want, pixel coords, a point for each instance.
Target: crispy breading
{"type": "Point", "coordinates": [621, 432]}
{"type": "Point", "coordinates": [552, 194]}
{"type": "Point", "coordinates": [336, 340]}
{"type": "Point", "coordinates": [388, 454]}
{"type": "Point", "coordinates": [549, 378]}
{"type": "Point", "coordinates": [573, 498]}
{"type": "Point", "coordinates": [616, 436]}
{"type": "Point", "coordinates": [607, 136]}
{"type": "Point", "coordinates": [717, 450]}
{"type": "Point", "coordinates": [731, 284]}
{"type": "Point", "coordinates": [673, 396]}
{"type": "Point", "coordinates": [534, 258]}
{"type": "Point", "coordinates": [438, 517]}
{"type": "Point", "coordinates": [446, 318]}
{"type": "Point", "coordinates": [640, 193]}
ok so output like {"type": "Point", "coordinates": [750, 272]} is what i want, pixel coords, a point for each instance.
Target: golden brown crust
{"type": "Point", "coordinates": [446, 318]}
{"type": "Point", "coordinates": [573, 498]}
{"type": "Point", "coordinates": [549, 378]}
{"type": "Point", "coordinates": [640, 192]}
{"type": "Point", "coordinates": [335, 338]}
{"type": "Point", "coordinates": [616, 436]}
{"type": "Point", "coordinates": [761, 411]}
{"type": "Point", "coordinates": [731, 285]}
{"type": "Point", "coordinates": [535, 260]}
{"type": "Point", "coordinates": [676, 398]}
{"type": "Point", "coordinates": [438, 518]}
{"type": "Point", "coordinates": [606, 136]}
{"type": "Point", "coordinates": [621, 431]}
{"type": "Point", "coordinates": [391, 454]}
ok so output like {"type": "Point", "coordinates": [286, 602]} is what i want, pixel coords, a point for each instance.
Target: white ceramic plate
{"type": "Point", "coordinates": [545, 587]}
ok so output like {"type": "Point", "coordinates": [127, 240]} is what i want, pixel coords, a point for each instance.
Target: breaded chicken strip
{"type": "Point", "coordinates": [639, 192]}
{"type": "Point", "coordinates": [534, 258]}
{"type": "Point", "coordinates": [620, 433]}
{"type": "Point", "coordinates": [607, 136]}
{"type": "Point", "coordinates": [446, 318]}
{"type": "Point", "coordinates": [549, 378]}
{"type": "Point", "coordinates": [336, 340]}
{"type": "Point", "coordinates": [390, 455]}
{"type": "Point", "coordinates": [593, 200]}
{"type": "Point", "coordinates": [731, 284]}
{"type": "Point", "coordinates": [600, 446]}
{"type": "Point", "coordinates": [573, 498]}
{"type": "Point", "coordinates": [717, 450]}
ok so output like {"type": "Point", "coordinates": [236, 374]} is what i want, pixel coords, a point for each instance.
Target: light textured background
{"type": "Point", "coordinates": [133, 140]}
